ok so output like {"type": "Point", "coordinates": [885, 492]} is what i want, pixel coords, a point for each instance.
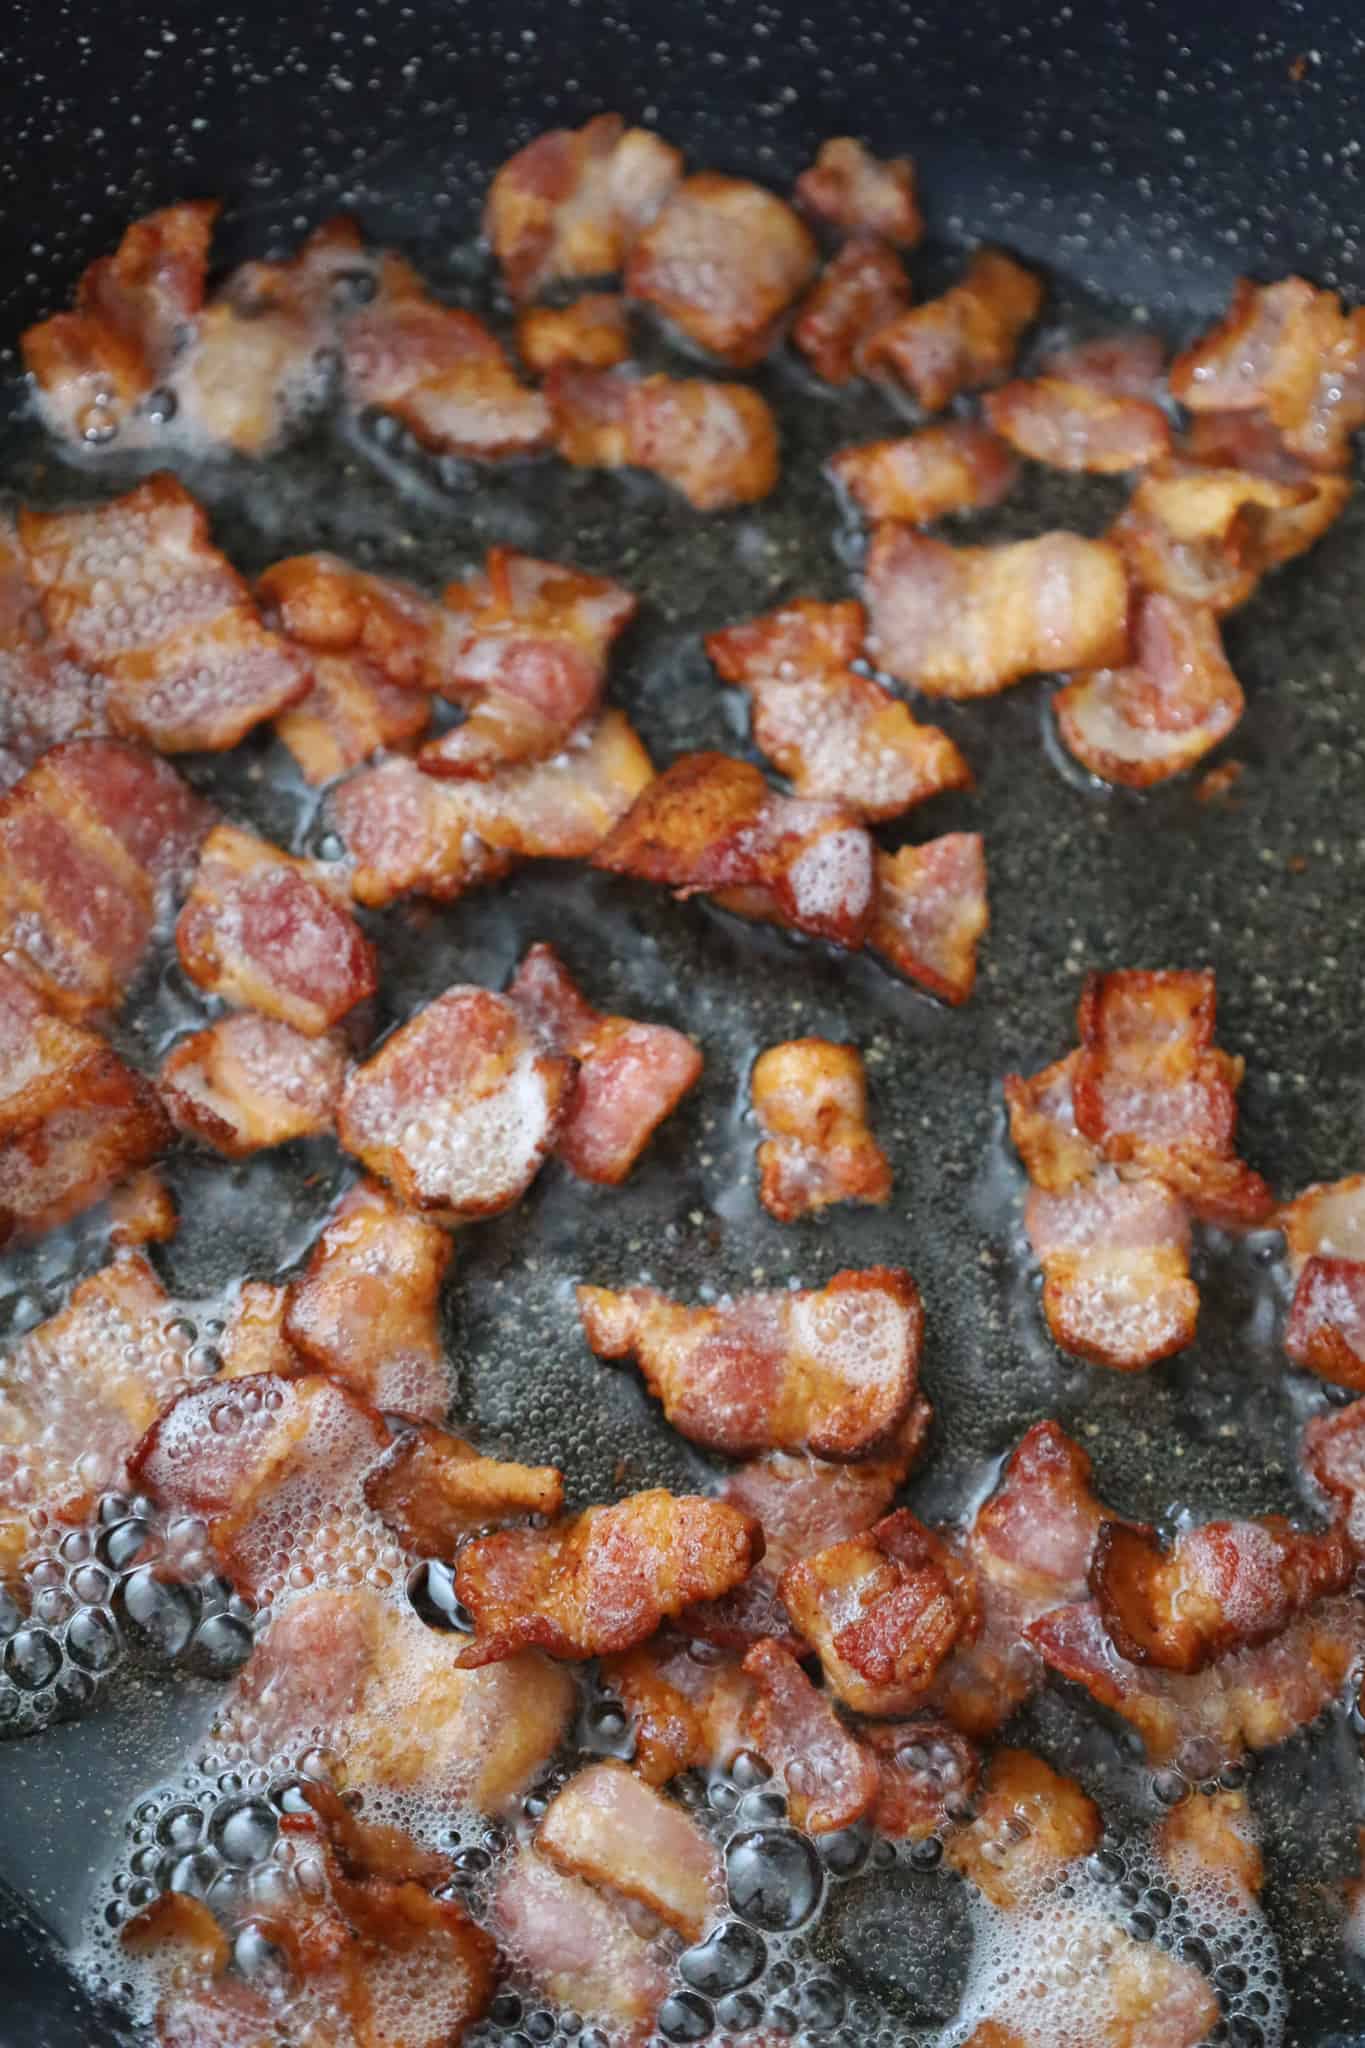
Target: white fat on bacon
{"type": "Point", "coordinates": [613, 1829]}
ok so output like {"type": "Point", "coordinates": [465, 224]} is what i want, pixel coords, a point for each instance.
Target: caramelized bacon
{"type": "Point", "coordinates": [350, 713]}
{"type": "Point", "coordinates": [932, 913]}
{"type": "Point", "coordinates": [831, 1370]}
{"type": "Point", "coordinates": [1324, 1231]}
{"type": "Point", "coordinates": [1334, 1455]}
{"type": "Point", "coordinates": [861, 291]}
{"type": "Point", "coordinates": [722, 261]}
{"type": "Point", "coordinates": [810, 1096]}
{"type": "Point", "coordinates": [1124, 365]}
{"type": "Point", "coordinates": [1077, 425]}
{"type": "Point", "coordinates": [850, 189]}
{"type": "Point", "coordinates": [928, 1776]}
{"type": "Point", "coordinates": [247, 1082]}
{"type": "Point", "coordinates": [433, 1490]}
{"type": "Point", "coordinates": [1115, 1256]}
{"type": "Point", "coordinates": [331, 607]}
{"type": "Point", "coordinates": [592, 334]}
{"type": "Point", "coordinates": [687, 1714]}
{"type": "Point", "coordinates": [1208, 534]}
{"type": "Point", "coordinates": [1211, 1838]}
{"type": "Point", "coordinates": [142, 1211]}
{"type": "Point", "coordinates": [965, 339]}
{"type": "Point", "coordinates": [1161, 715]}
{"type": "Point", "coordinates": [966, 622]}
{"type": "Point", "coordinates": [572, 203]}
{"type": "Point", "coordinates": [922, 477]}
{"type": "Point", "coordinates": [831, 1780]}
{"type": "Point", "coordinates": [1043, 1127]}
{"type": "Point", "coordinates": [578, 1945]}
{"type": "Point", "coordinates": [1029, 1821]}
{"type": "Point", "coordinates": [714, 442]}
{"type": "Point", "coordinates": [1291, 351]}
{"type": "Point", "coordinates": [617, 1832]}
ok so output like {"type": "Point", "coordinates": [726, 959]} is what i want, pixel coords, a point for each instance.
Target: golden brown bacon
{"type": "Point", "coordinates": [861, 291]}
{"type": "Point", "coordinates": [350, 713]}
{"type": "Point", "coordinates": [331, 607]}
{"type": "Point", "coordinates": [1207, 534]}
{"type": "Point", "coordinates": [135, 589]}
{"type": "Point", "coordinates": [810, 1096]}
{"type": "Point", "coordinates": [1289, 350]}
{"type": "Point", "coordinates": [1161, 715]}
{"type": "Point", "coordinates": [837, 735]}
{"type": "Point", "coordinates": [1211, 1839]}
{"type": "Point", "coordinates": [1075, 425]}
{"type": "Point", "coordinates": [1334, 1455]}
{"type": "Point", "coordinates": [459, 1108]}
{"type": "Point", "coordinates": [850, 189]}
{"type": "Point", "coordinates": [686, 1714]}
{"type": "Point", "coordinates": [716, 443]}
{"type": "Point", "coordinates": [1324, 1231]}
{"type": "Point", "coordinates": [252, 1338]}
{"type": "Point", "coordinates": [1043, 1126]}
{"type": "Point", "coordinates": [931, 912]}
{"type": "Point", "coordinates": [142, 1211]}
{"type": "Point", "coordinates": [928, 1775]}
{"type": "Point", "coordinates": [1029, 1821]}
{"type": "Point", "coordinates": [44, 696]}
{"type": "Point", "coordinates": [922, 477]}
{"type": "Point", "coordinates": [572, 203]}
{"type": "Point", "coordinates": [966, 339]}
{"type": "Point", "coordinates": [579, 1945]}
{"type": "Point", "coordinates": [593, 333]}
{"type": "Point", "coordinates": [247, 1082]}
{"type": "Point", "coordinates": [263, 930]}
{"type": "Point", "coordinates": [614, 1830]}
{"type": "Point", "coordinates": [831, 1370]}
{"type": "Point", "coordinates": [433, 1490]}
{"type": "Point", "coordinates": [831, 1780]}
{"type": "Point", "coordinates": [722, 261]}
{"type": "Point", "coordinates": [603, 1581]}
{"type": "Point", "coordinates": [966, 622]}
{"type": "Point", "coordinates": [630, 1076]}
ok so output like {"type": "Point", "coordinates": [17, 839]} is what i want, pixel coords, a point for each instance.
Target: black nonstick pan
{"type": "Point", "coordinates": [1144, 155]}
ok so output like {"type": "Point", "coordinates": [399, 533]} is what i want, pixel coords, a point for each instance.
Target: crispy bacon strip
{"type": "Point", "coordinates": [573, 202]}
{"type": "Point", "coordinates": [1208, 534]}
{"type": "Point", "coordinates": [1029, 1821]}
{"type": "Point", "coordinates": [1289, 350]}
{"type": "Point", "coordinates": [1128, 364]}
{"type": "Point", "coordinates": [921, 477]}
{"type": "Point", "coordinates": [931, 912]}
{"type": "Point", "coordinates": [1334, 1455]}
{"type": "Point", "coordinates": [433, 1490]}
{"type": "Point", "coordinates": [1077, 426]}
{"type": "Point", "coordinates": [831, 1780]}
{"type": "Point", "coordinates": [1324, 1231]}
{"type": "Point", "coordinates": [863, 289]}
{"type": "Point", "coordinates": [578, 1945]}
{"type": "Point", "coordinates": [1161, 715]}
{"type": "Point", "coordinates": [247, 1082]}
{"type": "Point", "coordinates": [850, 189]}
{"type": "Point", "coordinates": [1043, 1127]}
{"type": "Point", "coordinates": [722, 261]}
{"type": "Point", "coordinates": [592, 334]}
{"type": "Point", "coordinates": [837, 735]}
{"type": "Point", "coordinates": [928, 1776]}
{"type": "Point", "coordinates": [831, 1370]}
{"type": "Point", "coordinates": [617, 1832]}
{"type": "Point", "coordinates": [967, 622]}
{"type": "Point", "coordinates": [965, 339]}
{"type": "Point", "coordinates": [810, 1096]}
{"type": "Point", "coordinates": [716, 443]}
{"type": "Point", "coordinates": [603, 1581]}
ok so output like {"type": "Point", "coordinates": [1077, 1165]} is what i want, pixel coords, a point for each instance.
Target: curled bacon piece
{"type": "Point", "coordinates": [965, 339]}
{"type": "Point", "coordinates": [714, 442]}
{"type": "Point", "coordinates": [593, 334]}
{"type": "Point", "coordinates": [1128, 364]}
{"type": "Point", "coordinates": [578, 1945]}
{"type": "Point", "coordinates": [811, 1098]}
{"type": "Point", "coordinates": [573, 202]}
{"type": "Point", "coordinates": [922, 477]}
{"type": "Point", "coordinates": [837, 735]}
{"type": "Point", "coordinates": [617, 1832]}
{"type": "Point", "coordinates": [861, 291]}
{"type": "Point", "coordinates": [247, 1082]}
{"type": "Point", "coordinates": [831, 1780]}
{"type": "Point", "coordinates": [433, 1490]}
{"type": "Point", "coordinates": [1077, 426]}
{"type": "Point", "coordinates": [459, 1108]}
{"type": "Point", "coordinates": [1289, 350]}
{"type": "Point", "coordinates": [850, 189]}
{"type": "Point", "coordinates": [931, 912]}
{"type": "Point", "coordinates": [1043, 1126]}
{"type": "Point", "coordinates": [603, 1581]}
{"type": "Point", "coordinates": [722, 261]}
{"type": "Point", "coordinates": [1029, 1821]}
{"type": "Point", "coordinates": [1324, 1231]}
{"type": "Point", "coordinates": [1207, 534]}
{"type": "Point", "coordinates": [1334, 1455]}
{"type": "Point", "coordinates": [928, 1775]}
{"type": "Point", "coordinates": [831, 1370]}
{"type": "Point", "coordinates": [142, 1211]}
{"type": "Point", "coordinates": [1162, 714]}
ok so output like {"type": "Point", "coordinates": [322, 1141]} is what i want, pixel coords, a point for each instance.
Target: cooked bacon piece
{"type": "Point", "coordinates": [630, 1076]}
{"type": "Point", "coordinates": [433, 1490]}
{"type": "Point", "coordinates": [1125, 365]}
{"type": "Point", "coordinates": [922, 477]}
{"type": "Point", "coordinates": [421, 1972]}
{"type": "Point", "coordinates": [1070, 425]}
{"type": "Point", "coordinates": [253, 1339]}
{"type": "Point", "coordinates": [1211, 1838]}
{"type": "Point", "coordinates": [1245, 441]}
{"type": "Point", "coordinates": [44, 696]}
{"type": "Point", "coordinates": [181, 1933]}
{"type": "Point", "coordinates": [1115, 1256]}
{"type": "Point", "coordinates": [966, 622]}
{"type": "Point", "coordinates": [96, 364]}
{"type": "Point", "coordinates": [850, 189]}
{"type": "Point", "coordinates": [861, 291]}
{"type": "Point", "coordinates": [248, 1082]}
{"type": "Point", "coordinates": [928, 1775]}
{"type": "Point", "coordinates": [331, 607]}
{"type": "Point", "coordinates": [1161, 715]}
{"type": "Point", "coordinates": [613, 1829]}
{"type": "Point", "coordinates": [363, 1848]}
{"type": "Point", "coordinates": [578, 1945]}
{"type": "Point", "coordinates": [831, 1780]}
{"type": "Point", "coordinates": [931, 912]}
{"type": "Point", "coordinates": [1287, 349]}
{"type": "Point", "coordinates": [93, 841]}
{"type": "Point", "coordinates": [1324, 1231]}
{"type": "Point", "coordinates": [831, 1370]}
{"type": "Point", "coordinates": [593, 334]}
{"type": "Point", "coordinates": [1334, 1454]}
{"type": "Point", "coordinates": [837, 735]}
{"type": "Point", "coordinates": [687, 1714]}
{"type": "Point", "coordinates": [440, 370]}
{"type": "Point", "coordinates": [1208, 535]}
{"type": "Point", "coordinates": [722, 261]}
{"type": "Point", "coordinates": [603, 1581]}
{"type": "Point", "coordinates": [459, 1108]}
{"type": "Point", "coordinates": [1043, 1127]}
{"type": "Point", "coordinates": [366, 1306]}
{"type": "Point", "coordinates": [350, 713]}
{"type": "Point", "coordinates": [711, 823]}
{"type": "Point", "coordinates": [142, 1211]}
{"type": "Point", "coordinates": [716, 443]}
{"type": "Point", "coordinates": [810, 1096]}
{"type": "Point", "coordinates": [572, 203]}
{"type": "Point", "coordinates": [965, 339]}
{"type": "Point", "coordinates": [1029, 1822]}
{"type": "Point", "coordinates": [135, 589]}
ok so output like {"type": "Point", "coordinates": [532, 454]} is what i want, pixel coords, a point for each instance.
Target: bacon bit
{"type": "Point", "coordinates": [722, 261]}
{"type": "Point", "coordinates": [330, 607]}
{"type": "Point", "coordinates": [1217, 786]}
{"type": "Point", "coordinates": [1116, 1270]}
{"type": "Point", "coordinates": [603, 1581]}
{"type": "Point", "coordinates": [850, 189]}
{"type": "Point", "coordinates": [831, 1370]}
{"type": "Point", "coordinates": [253, 1339]}
{"type": "Point", "coordinates": [142, 1211]}
{"type": "Point", "coordinates": [924, 476]}
{"type": "Point", "coordinates": [44, 698]}
{"type": "Point", "coordinates": [1129, 364]}
{"type": "Point", "coordinates": [248, 1082]}
{"type": "Point", "coordinates": [716, 443]}
{"type": "Point", "coordinates": [1161, 715]}
{"type": "Point", "coordinates": [837, 735]}
{"type": "Point", "coordinates": [1211, 1838]}
{"type": "Point", "coordinates": [932, 913]}
{"type": "Point", "coordinates": [928, 1774]}
{"type": "Point", "coordinates": [862, 290]}
{"type": "Point", "coordinates": [617, 1832]}
{"type": "Point", "coordinates": [578, 1945]}
{"type": "Point", "coordinates": [350, 714]}
{"type": "Point", "coordinates": [1334, 1455]}
{"type": "Point", "coordinates": [459, 1108]}
{"type": "Point", "coordinates": [810, 1096]}
{"type": "Point", "coordinates": [1324, 1231]}
{"type": "Point", "coordinates": [664, 1694]}
{"type": "Point", "coordinates": [135, 589]}
{"type": "Point", "coordinates": [592, 334]}
{"type": "Point", "coordinates": [630, 1076]}
{"type": "Point", "coordinates": [967, 622]}
{"type": "Point", "coordinates": [1208, 535]}
{"type": "Point", "coordinates": [965, 339]}
{"type": "Point", "coordinates": [1289, 350]}
{"type": "Point", "coordinates": [364, 1848]}
{"type": "Point", "coordinates": [434, 1490]}
{"type": "Point", "coordinates": [573, 202]}
{"type": "Point", "coordinates": [832, 1781]}
{"type": "Point", "coordinates": [1029, 1822]}
{"type": "Point", "coordinates": [1076, 426]}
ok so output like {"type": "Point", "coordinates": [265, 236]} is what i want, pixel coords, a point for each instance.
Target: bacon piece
{"type": "Point", "coordinates": [1208, 534]}
{"type": "Point", "coordinates": [863, 289]}
{"type": "Point", "coordinates": [181, 1934]}
{"type": "Point", "coordinates": [850, 189]}
{"type": "Point", "coordinates": [838, 735]}
{"type": "Point", "coordinates": [924, 476]}
{"type": "Point", "coordinates": [44, 697]}
{"type": "Point", "coordinates": [1029, 1822]}
{"type": "Point", "coordinates": [1334, 1455]}
{"type": "Point", "coordinates": [439, 370]}
{"type": "Point", "coordinates": [965, 339]}
{"type": "Point", "coordinates": [1324, 1231]}
{"type": "Point", "coordinates": [331, 607]}
{"type": "Point", "coordinates": [687, 1714]}
{"type": "Point", "coordinates": [593, 334]}
{"type": "Point", "coordinates": [1128, 364]}
{"type": "Point", "coordinates": [831, 1370]}
{"type": "Point", "coordinates": [142, 1211]}
{"type": "Point", "coordinates": [578, 1945]}
{"type": "Point", "coordinates": [572, 203]}
{"type": "Point", "coordinates": [928, 1776]}
{"type": "Point", "coordinates": [253, 1338]}
{"type": "Point", "coordinates": [967, 622]}
{"type": "Point", "coordinates": [604, 1580]}
{"type": "Point", "coordinates": [1115, 1256]}
{"type": "Point", "coordinates": [1077, 426]}
{"type": "Point", "coordinates": [349, 714]}
{"type": "Point", "coordinates": [1043, 1127]}
{"type": "Point", "coordinates": [716, 443]}
{"type": "Point", "coordinates": [1161, 715]}
{"type": "Point", "coordinates": [1287, 349]}
{"type": "Point", "coordinates": [722, 261]}
{"type": "Point", "coordinates": [248, 1082]}
{"type": "Point", "coordinates": [421, 1973]}
{"type": "Point", "coordinates": [459, 1108]}
{"type": "Point", "coordinates": [831, 1780]}
{"type": "Point", "coordinates": [1211, 1839]}
{"type": "Point", "coordinates": [433, 1490]}
{"type": "Point", "coordinates": [614, 1830]}
{"type": "Point", "coordinates": [810, 1096]}
{"type": "Point", "coordinates": [932, 913]}
{"type": "Point", "coordinates": [630, 1076]}
{"type": "Point", "coordinates": [135, 589]}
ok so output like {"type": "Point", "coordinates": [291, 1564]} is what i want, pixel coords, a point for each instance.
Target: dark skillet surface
{"type": "Point", "coordinates": [1035, 132]}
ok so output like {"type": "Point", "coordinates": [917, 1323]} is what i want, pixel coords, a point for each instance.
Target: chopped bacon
{"type": "Point", "coordinates": [1070, 425]}
{"type": "Point", "coordinates": [440, 370]}
{"type": "Point", "coordinates": [1211, 1839]}
{"type": "Point", "coordinates": [1208, 534]}
{"type": "Point", "coordinates": [350, 713]}
{"type": "Point", "coordinates": [931, 912]}
{"type": "Point", "coordinates": [613, 1829]}
{"type": "Point", "coordinates": [1115, 1256]}
{"type": "Point", "coordinates": [1125, 365]}
{"type": "Point", "coordinates": [142, 1211]}
{"type": "Point", "coordinates": [630, 1076]}
{"type": "Point", "coordinates": [1334, 1454]}
{"type": "Point", "coordinates": [1161, 715]}
{"type": "Point", "coordinates": [831, 1780]}
{"type": "Point", "coordinates": [965, 339]}
{"type": "Point", "coordinates": [1029, 1821]}
{"type": "Point", "coordinates": [928, 1775]}
{"type": "Point", "coordinates": [722, 261]}
{"type": "Point", "coordinates": [922, 477]}
{"type": "Point", "coordinates": [331, 607]}
{"type": "Point", "coordinates": [966, 622]}
{"type": "Point", "coordinates": [578, 1945]}
{"type": "Point", "coordinates": [1043, 1127]}
{"type": "Point", "coordinates": [135, 589]}
{"type": "Point", "coordinates": [716, 443]}
{"type": "Point", "coordinates": [1324, 1231]}
{"type": "Point", "coordinates": [459, 1108]}
{"type": "Point", "coordinates": [1287, 349]}
{"type": "Point", "coordinates": [433, 1490]}
{"type": "Point", "coordinates": [810, 1096]}
{"type": "Point", "coordinates": [687, 1714]}
{"type": "Point", "coordinates": [366, 1306]}
{"type": "Point", "coordinates": [831, 1370]}
{"type": "Point", "coordinates": [603, 1581]}
{"type": "Point", "coordinates": [850, 189]}
{"type": "Point", "coordinates": [572, 203]}
{"type": "Point", "coordinates": [247, 1082]}
{"type": "Point", "coordinates": [181, 1933]}
{"type": "Point", "coordinates": [44, 696]}
{"type": "Point", "coordinates": [253, 1339]}
{"type": "Point", "coordinates": [861, 291]}
{"type": "Point", "coordinates": [421, 1972]}
{"type": "Point", "coordinates": [837, 735]}
{"type": "Point", "coordinates": [593, 334]}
